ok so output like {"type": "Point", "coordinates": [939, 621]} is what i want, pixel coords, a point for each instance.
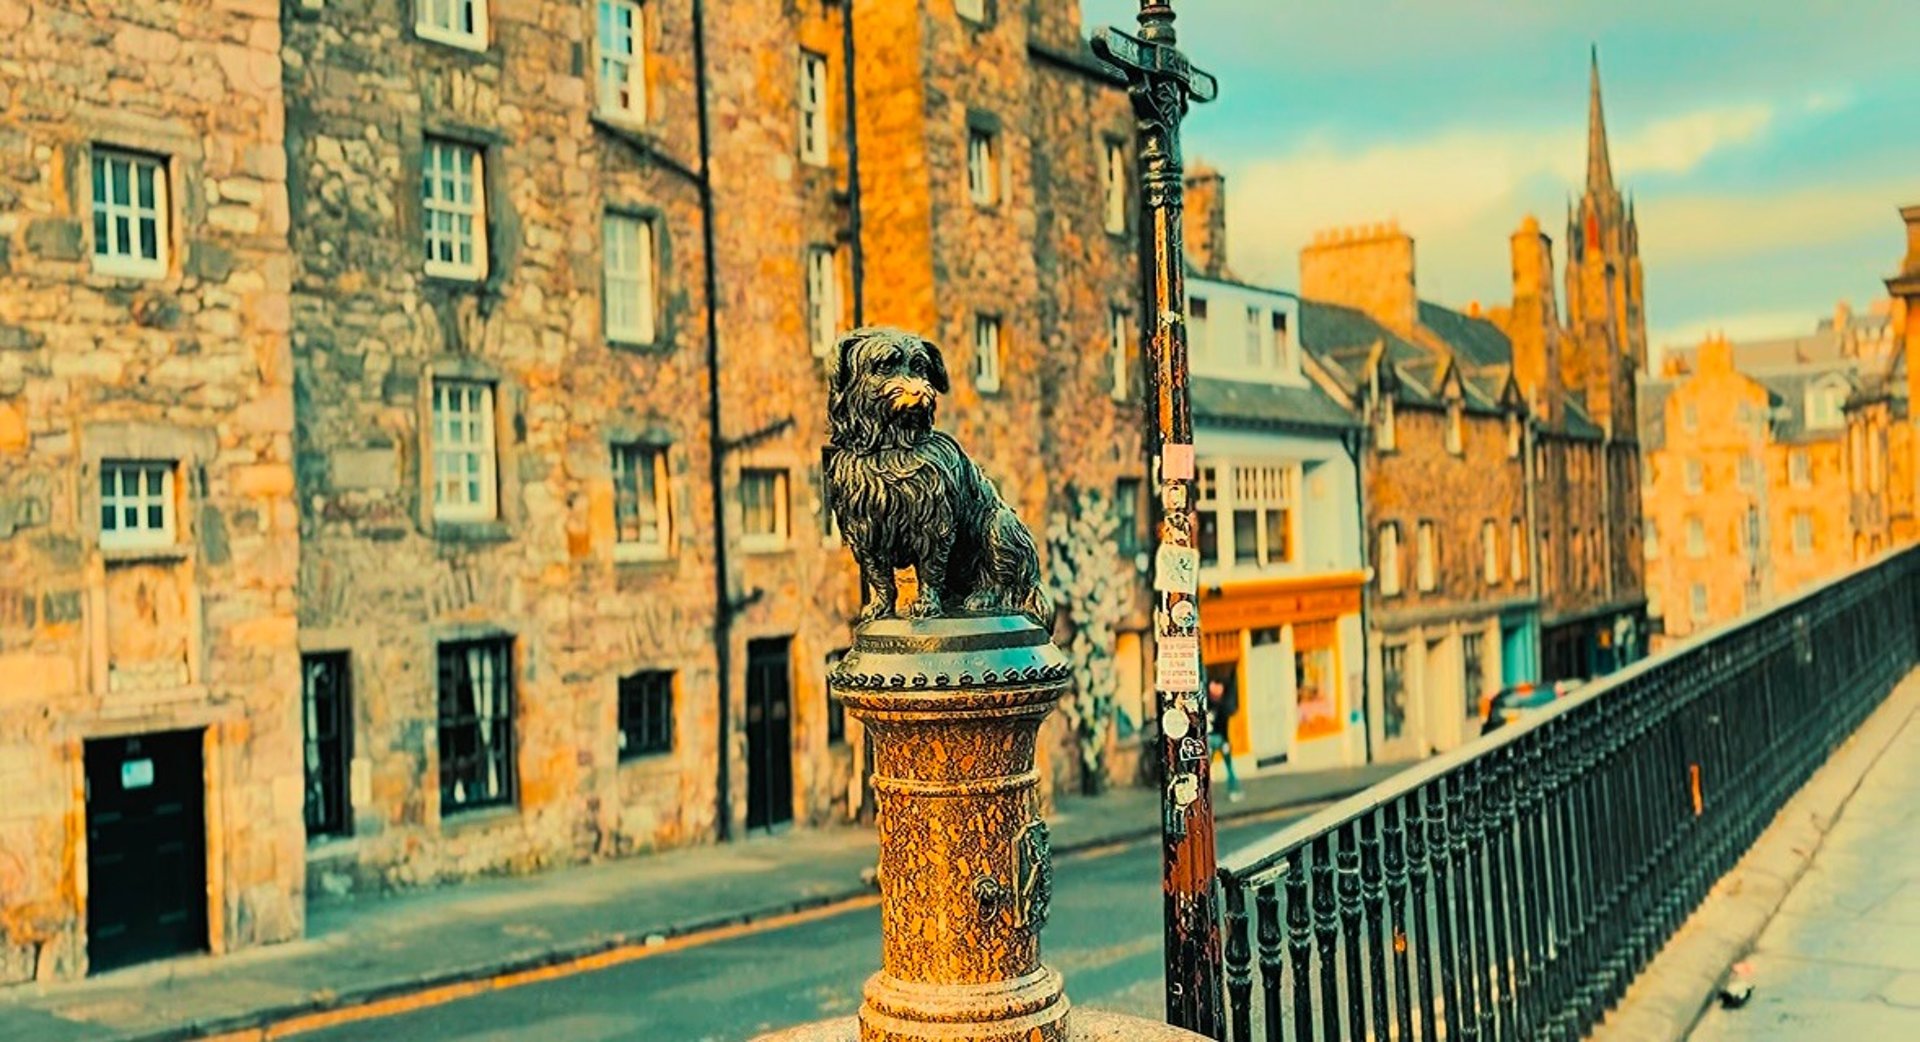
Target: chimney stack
{"type": "Point", "coordinates": [1206, 227]}
{"type": "Point", "coordinates": [1533, 325]}
{"type": "Point", "coordinates": [1365, 267]}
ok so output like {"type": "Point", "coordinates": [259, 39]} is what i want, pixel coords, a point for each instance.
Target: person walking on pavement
{"type": "Point", "coordinates": [1222, 703]}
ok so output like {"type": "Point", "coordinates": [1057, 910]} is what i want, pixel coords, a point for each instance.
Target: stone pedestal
{"type": "Point", "coordinates": [966, 869]}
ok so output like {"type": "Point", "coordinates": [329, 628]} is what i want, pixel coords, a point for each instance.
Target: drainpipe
{"type": "Point", "coordinates": [1529, 451]}
{"type": "Point", "coordinates": [723, 608]}
{"type": "Point", "coordinates": [856, 257]}
{"type": "Point", "coordinates": [1354, 442]}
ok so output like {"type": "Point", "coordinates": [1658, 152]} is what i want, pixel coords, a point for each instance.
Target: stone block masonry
{"type": "Point", "coordinates": [412, 339]}
{"type": "Point", "coordinates": [145, 374]}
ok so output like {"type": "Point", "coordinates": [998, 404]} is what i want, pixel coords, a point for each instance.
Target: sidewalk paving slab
{"type": "Point", "coordinates": [1822, 910]}
{"type": "Point", "coordinates": [361, 950]}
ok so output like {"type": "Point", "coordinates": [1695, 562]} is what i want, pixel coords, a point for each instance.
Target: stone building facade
{"type": "Point", "coordinates": [483, 410]}
{"type": "Point", "coordinates": [1749, 484]}
{"type": "Point", "coordinates": [1452, 608]}
{"type": "Point", "coordinates": [150, 726]}
{"type": "Point", "coordinates": [1880, 425]}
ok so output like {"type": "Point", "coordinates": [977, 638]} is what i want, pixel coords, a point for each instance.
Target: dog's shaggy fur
{"type": "Point", "coordinates": [905, 494]}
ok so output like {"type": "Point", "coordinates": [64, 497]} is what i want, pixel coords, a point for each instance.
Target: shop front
{"type": "Point", "coordinates": [1292, 648]}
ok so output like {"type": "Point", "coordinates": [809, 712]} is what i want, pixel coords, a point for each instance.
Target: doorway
{"type": "Point", "coordinates": [769, 734]}
{"type": "Point", "coordinates": [146, 849]}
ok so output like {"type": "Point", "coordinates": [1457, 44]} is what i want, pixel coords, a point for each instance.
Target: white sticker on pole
{"type": "Point", "coordinates": [1176, 664]}
{"type": "Point", "coordinates": [1176, 569]}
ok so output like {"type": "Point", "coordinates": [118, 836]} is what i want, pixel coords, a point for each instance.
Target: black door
{"type": "Point", "coordinates": [146, 849]}
{"type": "Point", "coordinates": [769, 734]}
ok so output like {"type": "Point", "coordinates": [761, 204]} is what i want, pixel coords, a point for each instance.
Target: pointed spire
{"type": "Point", "coordinates": [1599, 165]}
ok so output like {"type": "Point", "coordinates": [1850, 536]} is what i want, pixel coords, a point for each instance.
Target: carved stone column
{"type": "Point", "coordinates": [966, 872]}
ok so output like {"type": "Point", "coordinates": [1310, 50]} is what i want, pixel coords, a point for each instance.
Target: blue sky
{"type": "Point", "coordinates": [1768, 143]}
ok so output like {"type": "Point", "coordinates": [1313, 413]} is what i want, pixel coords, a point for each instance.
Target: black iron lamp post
{"type": "Point", "coordinates": [1164, 83]}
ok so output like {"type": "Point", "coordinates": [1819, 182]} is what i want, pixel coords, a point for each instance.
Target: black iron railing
{"type": "Point", "coordinates": [1511, 889]}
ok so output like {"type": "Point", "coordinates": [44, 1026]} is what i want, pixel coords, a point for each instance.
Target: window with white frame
{"type": "Point", "coordinates": [1116, 185]}
{"type": "Point", "coordinates": [1456, 433]}
{"type": "Point", "coordinates": [983, 166]}
{"type": "Point", "coordinates": [462, 23]}
{"type": "Point", "coordinates": [1803, 533]}
{"type": "Point", "coordinates": [763, 509]}
{"type": "Point", "coordinates": [136, 504]}
{"type": "Point", "coordinates": [1199, 333]}
{"type": "Point", "coordinates": [1206, 500]}
{"type": "Point", "coordinates": [1117, 350]}
{"type": "Point", "coordinates": [1800, 468]}
{"type": "Point", "coordinates": [463, 453]}
{"type": "Point", "coordinates": [1253, 510]}
{"type": "Point", "coordinates": [620, 37]}
{"type": "Point", "coordinates": [1696, 538]}
{"type": "Point", "coordinates": [1426, 549]}
{"type": "Point", "coordinates": [1490, 551]}
{"type": "Point", "coordinates": [813, 108]}
{"type": "Point", "coordinates": [453, 210]}
{"type": "Point", "coordinates": [1699, 602]}
{"type": "Point", "coordinates": [973, 10]}
{"type": "Point", "coordinates": [129, 213]}
{"type": "Point", "coordinates": [1389, 563]}
{"type": "Point", "coordinates": [1386, 432]}
{"type": "Point", "coordinates": [1696, 476]}
{"type": "Point", "coordinates": [986, 353]}
{"type": "Point", "coordinates": [823, 299]}
{"type": "Point", "coordinates": [1514, 438]}
{"type": "Point", "coordinates": [1257, 336]}
{"type": "Point", "coordinates": [1517, 549]}
{"type": "Point", "coordinates": [628, 253]}
{"type": "Point", "coordinates": [642, 517]}
{"type": "Point", "coordinates": [1282, 343]}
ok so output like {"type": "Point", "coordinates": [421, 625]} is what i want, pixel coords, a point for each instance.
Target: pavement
{"type": "Point", "coordinates": [1821, 918]}
{"type": "Point", "coordinates": [403, 950]}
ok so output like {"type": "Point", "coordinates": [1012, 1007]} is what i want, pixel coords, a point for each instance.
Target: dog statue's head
{"type": "Point", "coordinates": [882, 385]}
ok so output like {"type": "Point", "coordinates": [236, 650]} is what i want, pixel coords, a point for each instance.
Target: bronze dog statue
{"type": "Point", "coordinates": [905, 495]}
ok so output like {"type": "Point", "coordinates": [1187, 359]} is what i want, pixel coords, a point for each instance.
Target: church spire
{"type": "Point", "coordinates": [1599, 165]}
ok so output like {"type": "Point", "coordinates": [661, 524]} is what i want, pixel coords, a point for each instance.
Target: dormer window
{"type": "Point", "coordinates": [1385, 434]}
{"type": "Point", "coordinates": [1456, 429]}
{"type": "Point", "coordinates": [1282, 344]}
{"type": "Point", "coordinates": [1825, 406]}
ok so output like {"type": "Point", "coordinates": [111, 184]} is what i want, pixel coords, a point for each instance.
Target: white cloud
{"type": "Point", "coordinates": [1697, 227]}
{"type": "Point", "coordinates": [1678, 144]}
{"type": "Point", "coordinates": [1455, 181]}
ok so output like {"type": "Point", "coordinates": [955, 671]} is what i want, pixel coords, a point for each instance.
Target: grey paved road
{"type": "Point", "coordinates": [1104, 935]}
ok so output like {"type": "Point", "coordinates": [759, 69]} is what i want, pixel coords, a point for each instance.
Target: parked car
{"type": "Point", "coordinates": [1514, 702]}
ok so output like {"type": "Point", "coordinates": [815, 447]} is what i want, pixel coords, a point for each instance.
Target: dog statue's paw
{"type": "Point", "coordinates": [983, 602]}
{"type": "Point", "coordinates": [878, 608]}
{"type": "Point", "coordinates": [925, 606]}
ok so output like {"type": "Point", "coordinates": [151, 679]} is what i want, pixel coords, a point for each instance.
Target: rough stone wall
{"type": "Point", "coordinates": [381, 578]}
{"type": "Point", "coordinates": [1093, 437]}
{"type": "Point", "coordinates": [771, 206]}
{"type": "Point", "coordinates": [1723, 403]}
{"type": "Point", "coordinates": [1421, 481]}
{"type": "Point", "coordinates": [188, 367]}
{"type": "Point", "coordinates": [1823, 500]}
